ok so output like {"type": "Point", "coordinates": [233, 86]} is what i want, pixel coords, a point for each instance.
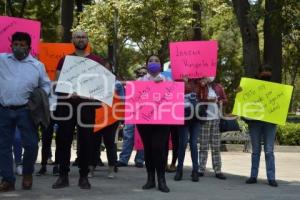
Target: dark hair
{"type": "Point", "coordinates": [22, 36]}
{"type": "Point", "coordinates": [151, 56]}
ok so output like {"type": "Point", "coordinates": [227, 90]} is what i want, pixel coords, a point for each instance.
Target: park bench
{"type": "Point", "coordinates": [241, 137]}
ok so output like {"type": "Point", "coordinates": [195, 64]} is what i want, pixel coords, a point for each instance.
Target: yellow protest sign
{"type": "Point", "coordinates": [263, 100]}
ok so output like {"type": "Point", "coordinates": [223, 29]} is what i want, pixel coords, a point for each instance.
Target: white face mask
{"type": "Point", "coordinates": [210, 79]}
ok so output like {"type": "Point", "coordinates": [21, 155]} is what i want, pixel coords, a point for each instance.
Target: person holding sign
{"type": "Point", "coordinates": [155, 136]}
{"type": "Point", "coordinates": [214, 96]}
{"type": "Point", "coordinates": [20, 75]}
{"type": "Point", "coordinates": [262, 130]}
{"type": "Point", "coordinates": [75, 111]}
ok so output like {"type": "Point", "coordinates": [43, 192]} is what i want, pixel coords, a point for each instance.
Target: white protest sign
{"type": "Point", "coordinates": [86, 78]}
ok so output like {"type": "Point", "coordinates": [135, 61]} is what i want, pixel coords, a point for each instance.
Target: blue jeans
{"type": "Point", "coordinates": [128, 142]}
{"type": "Point", "coordinates": [188, 133]}
{"type": "Point", "coordinates": [9, 120]}
{"type": "Point", "coordinates": [17, 146]}
{"type": "Point", "coordinates": [262, 130]}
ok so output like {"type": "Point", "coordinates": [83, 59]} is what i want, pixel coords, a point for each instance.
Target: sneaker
{"type": "Point", "coordinates": [42, 171]}
{"type": "Point", "coordinates": [75, 163]}
{"type": "Point", "coordinates": [139, 165]}
{"type": "Point", "coordinates": [121, 164]}
{"type": "Point", "coordinates": [19, 170]}
{"type": "Point", "coordinates": [273, 183]}
{"type": "Point", "coordinates": [55, 170]}
{"type": "Point", "coordinates": [91, 172]}
{"type": "Point", "coordinates": [100, 163]}
{"type": "Point", "coordinates": [251, 180]}
{"type": "Point", "coordinates": [221, 176]}
{"type": "Point", "coordinates": [200, 174]}
{"type": "Point", "coordinates": [171, 168]}
{"type": "Point", "coordinates": [50, 161]}
{"type": "Point", "coordinates": [111, 172]}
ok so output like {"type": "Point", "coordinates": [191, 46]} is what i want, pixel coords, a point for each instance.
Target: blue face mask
{"type": "Point", "coordinates": [153, 67]}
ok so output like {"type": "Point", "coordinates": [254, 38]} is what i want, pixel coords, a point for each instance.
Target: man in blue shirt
{"type": "Point", "coordinates": [20, 74]}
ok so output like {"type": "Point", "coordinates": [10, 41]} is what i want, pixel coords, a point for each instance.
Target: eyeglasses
{"type": "Point", "coordinates": [80, 37]}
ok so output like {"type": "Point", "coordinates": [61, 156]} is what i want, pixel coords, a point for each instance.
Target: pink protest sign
{"type": "Point", "coordinates": [193, 59]}
{"type": "Point", "coordinates": [10, 25]}
{"type": "Point", "coordinates": [154, 103]}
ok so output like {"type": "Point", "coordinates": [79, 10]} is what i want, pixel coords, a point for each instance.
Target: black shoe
{"type": "Point", "coordinates": [221, 176]}
{"type": "Point", "coordinates": [273, 183]}
{"type": "Point", "coordinates": [120, 164]}
{"type": "Point", "coordinates": [84, 183]}
{"type": "Point", "coordinates": [150, 181]}
{"type": "Point", "coordinates": [116, 169]}
{"type": "Point", "coordinates": [75, 163]}
{"type": "Point", "coordinates": [162, 185]}
{"type": "Point", "coordinates": [195, 177]}
{"type": "Point", "coordinates": [139, 165]}
{"type": "Point", "coordinates": [61, 182]}
{"type": "Point", "coordinates": [178, 175]}
{"type": "Point", "coordinates": [55, 171]}
{"type": "Point", "coordinates": [251, 180]}
{"type": "Point", "coordinates": [100, 163]}
{"type": "Point", "coordinates": [42, 171]}
{"type": "Point", "coordinates": [200, 174]}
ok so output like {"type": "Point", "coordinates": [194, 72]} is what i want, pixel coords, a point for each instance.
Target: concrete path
{"type": "Point", "coordinates": [129, 180]}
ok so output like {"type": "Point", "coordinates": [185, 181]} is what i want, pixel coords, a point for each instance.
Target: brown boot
{"type": "Point", "coordinates": [6, 186]}
{"type": "Point", "coordinates": [27, 182]}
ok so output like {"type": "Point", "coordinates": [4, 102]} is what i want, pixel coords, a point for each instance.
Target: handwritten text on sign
{"type": "Point", "coordinates": [87, 78]}
{"type": "Point", "coordinates": [262, 100]}
{"type": "Point", "coordinates": [193, 59]}
{"type": "Point", "coordinates": [154, 103]}
{"type": "Point", "coordinates": [51, 53]}
{"type": "Point", "coordinates": [10, 25]}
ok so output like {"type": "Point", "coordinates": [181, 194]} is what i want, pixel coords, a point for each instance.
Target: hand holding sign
{"type": "Point", "coordinates": [193, 59]}
{"type": "Point", "coordinates": [154, 103]}
{"type": "Point", "coordinates": [262, 100]}
{"type": "Point", "coordinates": [86, 78]}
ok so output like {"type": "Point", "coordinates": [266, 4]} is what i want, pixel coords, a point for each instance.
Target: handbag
{"type": "Point", "coordinates": [229, 125]}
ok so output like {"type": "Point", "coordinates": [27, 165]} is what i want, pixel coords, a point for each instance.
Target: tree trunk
{"type": "Point", "coordinates": [197, 33]}
{"type": "Point", "coordinates": [248, 28]}
{"type": "Point", "coordinates": [273, 26]}
{"type": "Point", "coordinates": [67, 8]}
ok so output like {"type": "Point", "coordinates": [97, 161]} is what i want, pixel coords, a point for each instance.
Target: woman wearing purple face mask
{"type": "Point", "coordinates": [154, 136]}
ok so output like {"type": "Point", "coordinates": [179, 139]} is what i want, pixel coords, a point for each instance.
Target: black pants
{"type": "Point", "coordinates": [108, 134]}
{"type": "Point", "coordinates": [155, 139]}
{"type": "Point", "coordinates": [175, 144]}
{"type": "Point", "coordinates": [65, 133]}
{"type": "Point", "coordinates": [47, 135]}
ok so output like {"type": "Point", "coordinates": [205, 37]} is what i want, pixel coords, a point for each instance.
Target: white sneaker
{"type": "Point", "coordinates": [50, 161]}
{"type": "Point", "coordinates": [91, 173]}
{"type": "Point", "coordinates": [19, 170]}
{"type": "Point", "coordinates": [111, 172]}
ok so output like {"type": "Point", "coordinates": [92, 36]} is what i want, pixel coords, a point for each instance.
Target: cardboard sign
{"type": "Point", "coordinates": [51, 53]}
{"type": "Point", "coordinates": [87, 78]}
{"type": "Point", "coordinates": [10, 25]}
{"type": "Point", "coordinates": [107, 115]}
{"type": "Point", "coordinates": [193, 59]}
{"type": "Point", "coordinates": [148, 102]}
{"type": "Point", "coordinates": [263, 100]}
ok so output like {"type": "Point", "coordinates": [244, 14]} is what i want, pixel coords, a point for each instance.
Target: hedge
{"type": "Point", "coordinates": [288, 134]}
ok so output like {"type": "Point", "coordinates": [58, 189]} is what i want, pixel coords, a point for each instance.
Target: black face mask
{"type": "Point", "coordinates": [20, 52]}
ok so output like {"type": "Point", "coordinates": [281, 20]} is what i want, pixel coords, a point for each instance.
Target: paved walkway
{"type": "Point", "coordinates": [127, 184]}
